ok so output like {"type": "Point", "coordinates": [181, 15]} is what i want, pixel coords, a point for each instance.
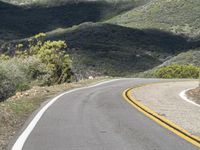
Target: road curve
{"type": "Point", "coordinates": [98, 118]}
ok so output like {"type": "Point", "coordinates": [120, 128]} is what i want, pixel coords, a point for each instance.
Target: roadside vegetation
{"type": "Point", "coordinates": [38, 63]}
{"type": "Point", "coordinates": [178, 71]}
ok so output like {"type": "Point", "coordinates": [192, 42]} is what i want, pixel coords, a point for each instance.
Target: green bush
{"type": "Point", "coordinates": [52, 54]}
{"type": "Point", "coordinates": [39, 63]}
{"type": "Point", "coordinates": [35, 70]}
{"type": "Point", "coordinates": [10, 77]}
{"type": "Point", "coordinates": [178, 71]}
{"type": "Point", "coordinates": [18, 74]}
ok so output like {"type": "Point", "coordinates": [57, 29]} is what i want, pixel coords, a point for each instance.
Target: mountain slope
{"type": "Point", "coordinates": [23, 21]}
{"type": "Point", "coordinates": [178, 16]}
{"type": "Point", "coordinates": [189, 57]}
{"type": "Point", "coordinates": [140, 39]}
{"type": "Point", "coordinates": [116, 50]}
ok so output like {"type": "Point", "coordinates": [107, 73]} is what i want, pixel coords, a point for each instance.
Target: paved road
{"type": "Point", "coordinates": [166, 95]}
{"type": "Point", "coordinates": [99, 118]}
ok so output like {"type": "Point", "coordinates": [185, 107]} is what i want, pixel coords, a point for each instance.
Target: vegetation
{"type": "Point", "coordinates": [178, 71]}
{"type": "Point", "coordinates": [39, 63]}
{"type": "Point", "coordinates": [13, 75]}
{"type": "Point", "coordinates": [52, 54]}
{"type": "Point", "coordinates": [140, 41]}
{"type": "Point", "coordinates": [177, 16]}
{"type": "Point", "coordinates": [119, 51]}
{"type": "Point", "coordinates": [35, 16]}
{"type": "Point", "coordinates": [105, 37]}
{"type": "Point", "coordinates": [186, 58]}
{"type": "Point", "coordinates": [137, 43]}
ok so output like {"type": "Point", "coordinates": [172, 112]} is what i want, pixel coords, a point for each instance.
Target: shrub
{"type": "Point", "coordinates": [52, 54]}
{"type": "Point", "coordinates": [10, 77]}
{"type": "Point", "coordinates": [41, 62]}
{"type": "Point", "coordinates": [178, 71]}
{"type": "Point", "coordinates": [16, 74]}
{"type": "Point", "coordinates": [35, 70]}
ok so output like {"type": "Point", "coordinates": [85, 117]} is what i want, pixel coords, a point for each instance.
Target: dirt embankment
{"type": "Point", "coordinates": [194, 94]}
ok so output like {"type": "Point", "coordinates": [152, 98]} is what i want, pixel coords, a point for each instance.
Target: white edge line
{"type": "Point", "coordinates": [23, 137]}
{"type": "Point", "coordinates": [184, 97]}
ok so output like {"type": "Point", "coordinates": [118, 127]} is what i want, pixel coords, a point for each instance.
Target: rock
{"type": "Point", "coordinates": [90, 77]}
{"type": "Point", "coordinates": [14, 97]}
{"type": "Point", "coordinates": [26, 94]}
{"type": "Point", "coordinates": [18, 94]}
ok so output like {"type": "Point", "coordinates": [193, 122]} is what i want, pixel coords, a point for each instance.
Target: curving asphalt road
{"type": "Point", "coordinates": [98, 118]}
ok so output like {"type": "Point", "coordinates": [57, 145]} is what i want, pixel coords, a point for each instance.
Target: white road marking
{"type": "Point", "coordinates": [184, 97]}
{"type": "Point", "coordinates": [23, 137]}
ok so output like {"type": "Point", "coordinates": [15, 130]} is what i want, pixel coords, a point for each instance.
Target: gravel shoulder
{"type": "Point", "coordinates": [164, 99]}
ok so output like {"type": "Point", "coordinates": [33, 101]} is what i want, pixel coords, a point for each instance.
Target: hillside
{"type": "Point", "coordinates": [20, 21]}
{"type": "Point", "coordinates": [61, 2]}
{"type": "Point", "coordinates": [116, 50]}
{"type": "Point", "coordinates": [189, 57]}
{"type": "Point", "coordinates": [46, 45]}
{"type": "Point", "coordinates": [138, 35]}
{"type": "Point", "coordinates": [177, 16]}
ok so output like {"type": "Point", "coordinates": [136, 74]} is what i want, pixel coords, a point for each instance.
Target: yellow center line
{"type": "Point", "coordinates": [127, 94]}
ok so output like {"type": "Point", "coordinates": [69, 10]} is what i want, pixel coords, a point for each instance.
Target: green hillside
{"type": "Point", "coordinates": [177, 16]}
{"type": "Point", "coordinates": [137, 35]}
{"type": "Point", "coordinates": [116, 50]}
{"type": "Point", "coordinates": [189, 57]}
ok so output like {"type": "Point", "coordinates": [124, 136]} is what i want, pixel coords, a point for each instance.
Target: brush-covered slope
{"type": "Point", "coordinates": [116, 50]}
{"type": "Point", "coordinates": [20, 21]}
{"type": "Point", "coordinates": [143, 37]}
{"type": "Point", "coordinates": [178, 16]}
{"type": "Point", "coordinates": [189, 57]}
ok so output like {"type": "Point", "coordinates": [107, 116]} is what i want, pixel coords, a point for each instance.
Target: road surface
{"type": "Point", "coordinates": [98, 118]}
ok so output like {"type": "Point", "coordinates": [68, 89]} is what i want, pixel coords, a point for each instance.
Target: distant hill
{"type": "Point", "coordinates": [109, 37]}
{"type": "Point", "coordinates": [61, 2]}
{"type": "Point", "coordinates": [177, 16]}
{"type": "Point", "coordinates": [24, 18]}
